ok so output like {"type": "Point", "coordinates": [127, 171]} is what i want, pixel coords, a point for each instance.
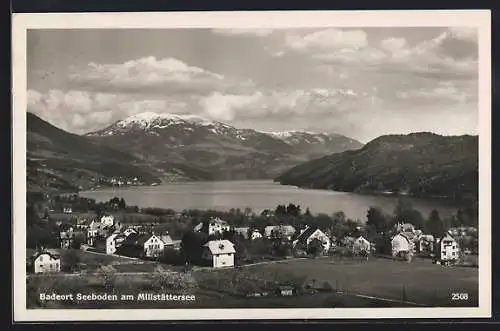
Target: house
{"type": "Point", "coordinates": [401, 244]}
{"type": "Point", "coordinates": [129, 231]}
{"type": "Point", "coordinates": [268, 230]}
{"type": "Point", "coordinates": [310, 233]}
{"type": "Point", "coordinates": [113, 242]}
{"type": "Point", "coordinates": [287, 230]}
{"type": "Point", "coordinates": [255, 235]}
{"type": "Point", "coordinates": [219, 253]}
{"type": "Point", "coordinates": [177, 244]}
{"type": "Point", "coordinates": [66, 238]}
{"type": "Point", "coordinates": [286, 291]}
{"type": "Point", "coordinates": [107, 220]}
{"type": "Point", "coordinates": [404, 227]}
{"type": "Point", "coordinates": [152, 245]}
{"type": "Point", "coordinates": [360, 244]}
{"type": "Point", "coordinates": [82, 223]}
{"type": "Point", "coordinates": [213, 226]}
{"type": "Point", "coordinates": [46, 261]}
{"type": "Point", "coordinates": [425, 243]}
{"type": "Point", "coordinates": [141, 245]}
{"type": "Point", "coordinates": [242, 231]}
{"type": "Point", "coordinates": [67, 210]}
{"type": "Point", "coordinates": [267, 213]}
{"type": "Point", "coordinates": [95, 231]}
{"type": "Point", "coordinates": [167, 240]}
{"type": "Point", "coordinates": [447, 250]}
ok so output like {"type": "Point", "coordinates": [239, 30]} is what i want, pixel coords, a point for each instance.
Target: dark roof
{"type": "Point", "coordinates": [52, 255]}
{"type": "Point", "coordinates": [142, 239]}
{"type": "Point", "coordinates": [302, 238]}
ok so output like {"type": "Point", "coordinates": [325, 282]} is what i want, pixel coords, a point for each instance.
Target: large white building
{"type": "Point", "coordinates": [447, 249]}
{"type": "Point", "coordinates": [215, 226]}
{"type": "Point", "coordinates": [113, 242]}
{"type": "Point", "coordinates": [108, 220]}
{"type": "Point", "coordinates": [401, 244]}
{"type": "Point", "coordinates": [220, 253]}
{"type": "Point", "coordinates": [308, 235]}
{"type": "Point", "coordinates": [46, 262]}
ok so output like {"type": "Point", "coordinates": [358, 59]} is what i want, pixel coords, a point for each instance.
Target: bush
{"type": "Point", "coordinates": [171, 256]}
{"type": "Point", "coordinates": [70, 260]}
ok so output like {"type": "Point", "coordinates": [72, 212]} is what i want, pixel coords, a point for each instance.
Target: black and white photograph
{"type": "Point", "coordinates": [311, 164]}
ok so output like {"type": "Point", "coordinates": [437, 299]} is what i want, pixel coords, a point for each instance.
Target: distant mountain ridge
{"type": "Point", "coordinates": [58, 160]}
{"type": "Point", "coordinates": [220, 149]}
{"type": "Point", "coordinates": [419, 164]}
{"type": "Point", "coordinates": [153, 124]}
{"type": "Point", "coordinates": [159, 147]}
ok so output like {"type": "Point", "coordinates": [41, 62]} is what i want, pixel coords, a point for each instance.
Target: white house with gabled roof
{"type": "Point", "coordinates": [220, 253]}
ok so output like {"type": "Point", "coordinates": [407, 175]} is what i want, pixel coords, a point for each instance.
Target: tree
{"type": "Point", "coordinates": [280, 242]}
{"type": "Point", "coordinates": [114, 201]}
{"type": "Point", "coordinates": [405, 213]}
{"type": "Point", "coordinates": [315, 247]}
{"type": "Point", "coordinates": [338, 227]}
{"type": "Point", "coordinates": [122, 204]}
{"type": "Point", "coordinates": [171, 256]}
{"type": "Point", "coordinates": [376, 219]}
{"type": "Point", "coordinates": [307, 212]}
{"type": "Point", "coordinates": [192, 246]}
{"type": "Point", "coordinates": [280, 210]}
{"type": "Point", "coordinates": [293, 210]}
{"type": "Point", "coordinates": [70, 259]}
{"type": "Point", "coordinates": [434, 225]}
{"type": "Point", "coordinates": [78, 240]}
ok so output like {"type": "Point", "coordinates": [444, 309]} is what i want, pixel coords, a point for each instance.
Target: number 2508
{"type": "Point", "coordinates": [459, 296]}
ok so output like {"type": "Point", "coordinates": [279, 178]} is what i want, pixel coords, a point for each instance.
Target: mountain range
{"type": "Point", "coordinates": [149, 148]}
{"type": "Point", "coordinates": [418, 164]}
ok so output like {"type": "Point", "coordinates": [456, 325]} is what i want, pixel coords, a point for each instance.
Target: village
{"type": "Point", "coordinates": [212, 243]}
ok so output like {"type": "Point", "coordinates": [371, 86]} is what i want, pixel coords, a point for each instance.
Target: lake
{"type": "Point", "coordinates": [258, 195]}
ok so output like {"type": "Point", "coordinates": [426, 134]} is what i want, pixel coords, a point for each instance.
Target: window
{"type": "Point", "coordinates": [41, 258]}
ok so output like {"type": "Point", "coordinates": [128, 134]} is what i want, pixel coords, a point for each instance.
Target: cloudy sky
{"type": "Point", "coordinates": [361, 82]}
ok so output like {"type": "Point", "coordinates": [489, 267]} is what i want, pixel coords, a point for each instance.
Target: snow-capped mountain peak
{"type": "Point", "coordinates": [149, 119]}
{"type": "Point", "coordinates": [183, 129]}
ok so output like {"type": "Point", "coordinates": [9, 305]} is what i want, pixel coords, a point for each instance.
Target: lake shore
{"type": "Point", "coordinates": [259, 195]}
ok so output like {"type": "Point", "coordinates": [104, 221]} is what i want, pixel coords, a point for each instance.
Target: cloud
{"type": "Point", "coordinates": [224, 107]}
{"type": "Point", "coordinates": [327, 40]}
{"type": "Point", "coordinates": [147, 75]}
{"type": "Point", "coordinates": [245, 32]}
{"type": "Point", "coordinates": [84, 111]}
{"type": "Point", "coordinates": [446, 92]}
{"type": "Point", "coordinates": [452, 53]}
{"type": "Point", "coordinates": [464, 33]}
{"type": "Point", "coordinates": [393, 45]}
{"type": "Point", "coordinates": [274, 103]}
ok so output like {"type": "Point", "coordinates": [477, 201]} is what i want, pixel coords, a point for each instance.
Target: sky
{"type": "Point", "coordinates": [359, 82]}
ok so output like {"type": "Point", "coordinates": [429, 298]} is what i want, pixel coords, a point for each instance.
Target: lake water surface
{"type": "Point", "coordinates": [257, 195]}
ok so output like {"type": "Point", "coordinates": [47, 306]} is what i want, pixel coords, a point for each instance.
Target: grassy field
{"type": "Point", "coordinates": [135, 284]}
{"type": "Point", "coordinates": [360, 283]}
{"type": "Point", "coordinates": [92, 261]}
{"type": "Point", "coordinates": [420, 281]}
